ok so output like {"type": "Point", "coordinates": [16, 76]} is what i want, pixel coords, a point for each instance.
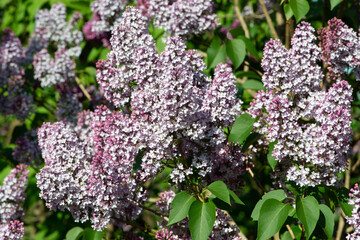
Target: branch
{"type": "Point", "coordinates": [86, 93]}
{"type": "Point", "coordinates": [241, 19]}
{"type": "Point", "coordinates": [268, 19]}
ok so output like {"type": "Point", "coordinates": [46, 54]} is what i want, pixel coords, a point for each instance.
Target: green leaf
{"type": "Point", "coordinates": [276, 194]}
{"type": "Point", "coordinates": [236, 51]}
{"type": "Point", "coordinates": [273, 215]}
{"type": "Point", "coordinates": [180, 207]}
{"type": "Point", "coordinates": [342, 196]}
{"type": "Point", "coordinates": [201, 219]}
{"type": "Point", "coordinates": [74, 233]}
{"type": "Point", "coordinates": [91, 234]}
{"type": "Point", "coordinates": [220, 190]}
{"type": "Point", "coordinates": [334, 3]}
{"type": "Point", "coordinates": [288, 12]}
{"type": "Point", "coordinates": [236, 198]}
{"type": "Point", "coordinates": [328, 224]}
{"type": "Point", "coordinates": [215, 53]}
{"type": "Point", "coordinates": [271, 160]}
{"type": "Point", "coordinates": [253, 84]}
{"type": "Point", "coordinates": [94, 53]}
{"type": "Point", "coordinates": [300, 8]}
{"type": "Point", "coordinates": [242, 128]}
{"type": "Point", "coordinates": [307, 210]}
{"type": "Point", "coordinates": [250, 46]}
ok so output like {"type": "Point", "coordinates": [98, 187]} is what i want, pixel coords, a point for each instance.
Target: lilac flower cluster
{"type": "Point", "coordinates": [183, 18]}
{"type": "Point", "coordinates": [51, 28]}
{"type": "Point", "coordinates": [222, 227]}
{"type": "Point", "coordinates": [341, 49]}
{"type": "Point", "coordinates": [171, 112]}
{"type": "Point", "coordinates": [12, 195]}
{"type": "Point", "coordinates": [169, 93]}
{"type": "Point", "coordinates": [354, 220]}
{"type": "Point", "coordinates": [310, 127]}
{"type": "Point", "coordinates": [14, 100]}
{"type": "Point", "coordinates": [106, 14]}
{"type": "Point", "coordinates": [50, 71]}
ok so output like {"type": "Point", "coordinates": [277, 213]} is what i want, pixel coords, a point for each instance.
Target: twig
{"type": "Point", "coordinates": [268, 19]}
{"type": "Point", "coordinates": [87, 95]}
{"type": "Point", "coordinates": [288, 36]}
{"type": "Point", "coordinates": [290, 231]}
{"type": "Point", "coordinates": [341, 10]}
{"type": "Point", "coordinates": [241, 19]}
{"type": "Point", "coordinates": [10, 131]}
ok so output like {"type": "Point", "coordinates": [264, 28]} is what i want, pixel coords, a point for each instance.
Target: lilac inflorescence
{"type": "Point", "coordinates": [14, 100]}
{"type": "Point", "coordinates": [51, 28]}
{"type": "Point", "coordinates": [354, 220]}
{"type": "Point", "coordinates": [12, 196]}
{"type": "Point", "coordinates": [310, 127]}
{"type": "Point", "coordinates": [183, 18]}
{"type": "Point", "coordinates": [341, 49]}
{"type": "Point", "coordinates": [50, 71]}
{"type": "Point", "coordinates": [171, 112]}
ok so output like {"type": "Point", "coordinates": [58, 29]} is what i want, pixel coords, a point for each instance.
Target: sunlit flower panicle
{"type": "Point", "coordinates": [310, 127]}
{"type": "Point", "coordinates": [354, 220]}
{"type": "Point", "coordinates": [340, 49]}
{"type": "Point", "coordinates": [50, 71]}
{"type": "Point", "coordinates": [220, 98]}
{"type": "Point", "coordinates": [183, 18]}
{"type": "Point", "coordinates": [116, 76]}
{"type": "Point", "coordinates": [293, 70]}
{"type": "Point", "coordinates": [51, 28]}
{"type": "Point", "coordinates": [108, 11]}
{"type": "Point", "coordinates": [116, 142]}
{"type": "Point", "coordinates": [63, 181]}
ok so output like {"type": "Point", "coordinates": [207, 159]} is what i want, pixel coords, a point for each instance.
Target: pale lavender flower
{"type": "Point", "coordinates": [341, 49]}
{"type": "Point", "coordinates": [14, 230]}
{"type": "Point", "coordinates": [183, 18]}
{"type": "Point", "coordinates": [51, 28]}
{"type": "Point", "coordinates": [311, 126]}
{"type": "Point", "coordinates": [50, 71]}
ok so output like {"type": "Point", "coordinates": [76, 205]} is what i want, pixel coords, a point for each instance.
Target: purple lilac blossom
{"type": "Point", "coordinates": [51, 28]}
{"type": "Point", "coordinates": [28, 150]}
{"type": "Point", "coordinates": [90, 35]}
{"type": "Point", "coordinates": [14, 100]}
{"type": "Point", "coordinates": [168, 114]}
{"type": "Point", "coordinates": [354, 220]}
{"type": "Point", "coordinates": [12, 196]}
{"type": "Point", "coordinates": [50, 71]}
{"type": "Point", "coordinates": [183, 17]}
{"type": "Point", "coordinates": [340, 49]}
{"type": "Point", "coordinates": [311, 126]}
{"type": "Point", "coordinates": [108, 12]}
